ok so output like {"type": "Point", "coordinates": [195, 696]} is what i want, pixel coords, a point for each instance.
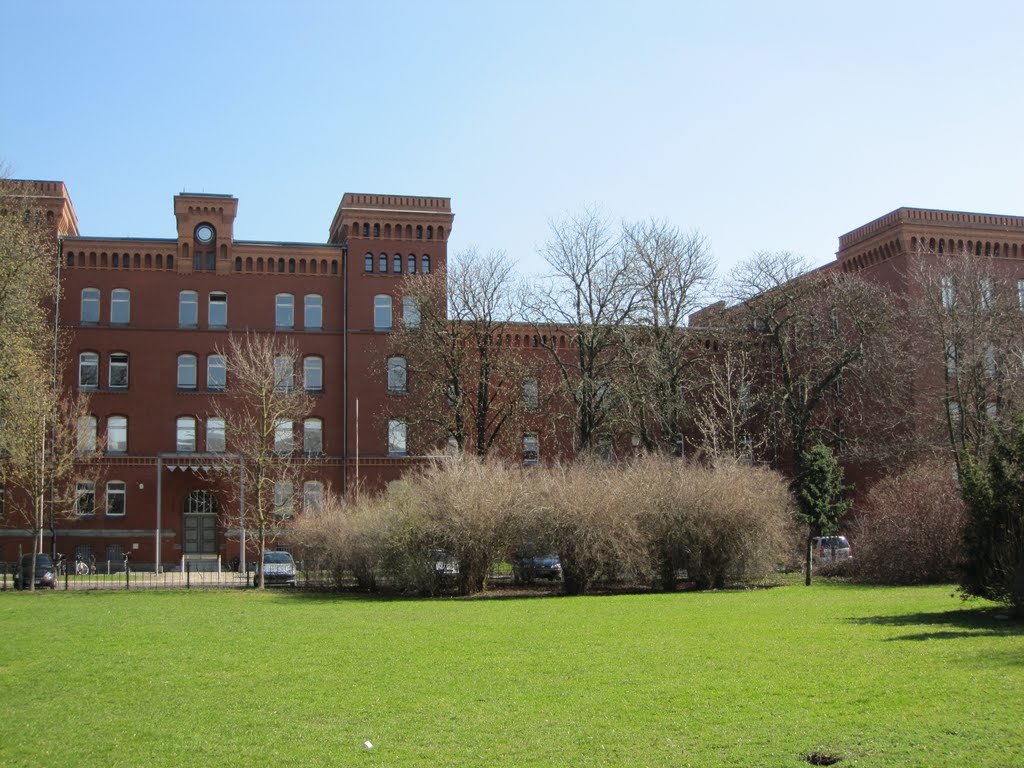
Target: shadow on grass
{"type": "Point", "coordinates": [959, 624]}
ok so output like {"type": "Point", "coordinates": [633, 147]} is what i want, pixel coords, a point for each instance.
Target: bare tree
{"type": "Point", "coordinates": [827, 345]}
{"type": "Point", "coordinates": [465, 382]}
{"type": "Point", "coordinates": [260, 411]}
{"type": "Point", "coordinates": [970, 346]}
{"type": "Point", "coordinates": [590, 296]}
{"type": "Point", "coordinates": [729, 409]}
{"type": "Point", "coordinates": [671, 272]}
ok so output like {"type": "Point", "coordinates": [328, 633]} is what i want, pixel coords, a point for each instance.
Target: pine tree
{"type": "Point", "coordinates": [820, 496]}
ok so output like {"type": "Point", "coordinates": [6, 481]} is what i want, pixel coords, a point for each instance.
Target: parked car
{"type": "Point", "coordinates": [828, 549]}
{"type": "Point", "coordinates": [445, 565]}
{"type": "Point", "coordinates": [527, 568]}
{"type": "Point", "coordinates": [45, 573]}
{"type": "Point", "coordinates": [278, 569]}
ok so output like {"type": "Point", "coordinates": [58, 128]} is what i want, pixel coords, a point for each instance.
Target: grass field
{"type": "Point", "coordinates": [880, 677]}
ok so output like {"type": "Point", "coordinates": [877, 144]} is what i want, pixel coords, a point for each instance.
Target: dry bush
{"type": "Point", "coordinates": [910, 528]}
{"type": "Point", "coordinates": [469, 509]}
{"type": "Point", "coordinates": [585, 513]}
{"type": "Point", "coordinates": [722, 523]}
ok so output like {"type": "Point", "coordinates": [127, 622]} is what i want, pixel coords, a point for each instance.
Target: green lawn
{"type": "Point", "coordinates": [881, 677]}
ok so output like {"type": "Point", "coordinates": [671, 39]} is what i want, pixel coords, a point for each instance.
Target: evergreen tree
{"type": "Point", "coordinates": [820, 496]}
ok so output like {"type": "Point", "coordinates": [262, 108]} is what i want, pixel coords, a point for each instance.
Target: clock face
{"type": "Point", "coordinates": [204, 233]}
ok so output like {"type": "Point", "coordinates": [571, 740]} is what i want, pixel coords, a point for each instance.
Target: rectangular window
{"type": "Point", "coordinates": [217, 316]}
{"type": "Point", "coordinates": [85, 498]}
{"type": "Point", "coordinates": [90, 311]}
{"type": "Point", "coordinates": [531, 448]}
{"type": "Point", "coordinates": [115, 498]}
{"type": "Point", "coordinates": [216, 438]}
{"type": "Point", "coordinates": [313, 312]}
{"type": "Point", "coordinates": [284, 441]}
{"type": "Point", "coordinates": [216, 373]}
{"type": "Point", "coordinates": [188, 309]}
{"type": "Point", "coordinates": [531, 395]}
{"type": "Point", "coordinates": [120, 306]}
{"type": "Point", "coordinates": [313, 374]}
{"type": "Point", "coordinates": [118, 370]}
{"type": "Point", "coordinates": [382, 313]}
{"type": "Point", "coordinates": [186, 435]}
{"type": "Point", "coordinates": [313, 437]}
{"type": "Point", "coordinates": [985, 291]}
{"type": "Point", "coordinates": [117, 434]}
{"type": "Point", "coordinates": [950, 359]}
{"type": "Point", "coordinates": [1020, 294]}
{"type": "Point", "coordinates": [284, 311]}
{"type": "Point", "coordinates": [397, 433]}
{"type": "Point", "coordinates": [86, 434]}
{"type": "Point", "coordinates": [947, 291]}
{"type": "Point", "coordinates": [283, 500]}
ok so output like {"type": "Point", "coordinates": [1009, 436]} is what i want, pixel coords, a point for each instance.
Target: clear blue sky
{"type": "Point", "coordinates": [775, 126]}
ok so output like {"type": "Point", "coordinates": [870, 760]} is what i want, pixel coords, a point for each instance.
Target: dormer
{"type": "Point", "coordinates": [206, 232]}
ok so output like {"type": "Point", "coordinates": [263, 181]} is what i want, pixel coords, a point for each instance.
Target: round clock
{"type": "Point", "coordinates": [204, 233]}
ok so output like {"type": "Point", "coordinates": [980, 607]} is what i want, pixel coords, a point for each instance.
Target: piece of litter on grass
{"type": "Point", "coordinates": [368, 745]}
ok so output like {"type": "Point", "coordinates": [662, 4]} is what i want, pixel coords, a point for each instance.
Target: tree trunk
{"type": "Point", "coordinates": [807, 562]}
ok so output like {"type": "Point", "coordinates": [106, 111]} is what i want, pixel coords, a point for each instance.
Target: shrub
{"type": "Point", "coordinates": [910, 528]}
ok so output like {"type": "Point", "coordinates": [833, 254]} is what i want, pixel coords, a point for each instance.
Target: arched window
{"type": "Point", "coordinates": [382, 263]}
{"type": "Point", "coordinates": [284, 311]}
{"type": "Point", "coordinates": [186, 371]}
{"type": "Point", "coordinates": [284, 373]}
{"type": "Point", "coordinates": [188, 309]}
{"type": "Point", "coordinates": [216, 373]}
{"type": "Point", "coordinates": [396, 263]}
{"type": "Point", "coordinates": [313, 437]}
{"type": "Point", "coordinates": [117, 434]}
{"type": "Point", "coordinates": [376, 230]}
{"type": "Point", "coordinates": [368, 262]}
{"type": "Point", "coordinates": [120, 306]}
{"type": "Point", "coordinates": [117, 375]}
{"type": "Point", "coordinates": [238, 263]}
{"type": "Point", "coordinates": [430, 233]}
{"type": "Point", "coordinates": [411, 264]}
{"type": "Point", "coordinates": [425, 264]}
{"type": "Point", "coordinates": [312, 497]}
{"type": "Point", "coordinates": [411, 312]}
{"type": "Point", "coordinates": [419, 232]}
{"type": "Point", "coordinates": [88, 370]}
{"type": "Point", "coordinates": [397, 437]}
{"type": "Point", "coordinates": [86, 434]}
{"type": "Point", "coordinates": [216, 435]}
{"type": "Point", "coordinates": [284, 438]}
{"type": "Point", "coordinates": [382, 312]}
{"type": "Point", "coordinates": [90, 311]}
{"type": "Point", "coordinates": [313, 312]}
{"type": "Point", "coordinates": [313, 374]}
{"type": "Point", "coordinates": [397, 375]}
{"type": "Point", "coordinates": [366, 230]}
{"type": "Point", "coordinates": [291, 266]}
{"type": "Point", "coordinates": [185, 431]}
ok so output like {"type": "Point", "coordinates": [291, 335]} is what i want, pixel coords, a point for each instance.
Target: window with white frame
{"type": "Point", "coordinates": [531, 395]}
{"type": "Point", "coordinates": [284, 311]}
{"type": "Point", "coordinates": [396, 263]}
{"type": "Point", "coordinates": [85, 498]}
{"type": "Point", "coordinates": [88, 370]}
{"type": "Point", "coordinates": [954, 417]}
{"type": "Point", "coordinates": [313, 374]}
{"type": "Point", "coordinates": [117, 434]}
{"type": "Point", "coordinates": [188, 309]}
{"type": "Point", "coordinates": [396, 375]}
{"type": "Point", "coordinates": [284, 438]}
{"type": "Point", "coordinates": [531, 448]}
{"type": "Point", "coordinates": [283, 493]}
{"type": "Point", "coordinates": [283, 373]}
{"type": "Point", "coordinates": [368, 262]}
{"type": "Point", "coordinates": [382, 263]}
{"type": "Point", "coordinates": [186, 434]}
{"type": "Point", "coordinates": [1020, 295]}
{"type": "Point", "coordinates": [947, 292]}
{"type": "Point", "coordinates": [118, 373]}
{"type": "Point", "coordinates": [425, 264]}
{"type": "Point", "coordinates": [313, 437]}
{"type": "Point", "coordinates": [120, 306]}
{"type": "Point", "coordinates": [90, 310]}
{"type": "Point", "coordinates": [312, 497]}
{"type": "Point", "coordinates": [186, 371]}
{"type": "Point", "coordinates": [216, 373]}
{"type": "Point", "coordinates": [115, 498]}
{"type": "Point", "coordinates": [217, 312]}
{"type": "Point", "coordinates": [382, 312]}
{"type": "Point", "coordinates": [216, 435]}
{"type": "Point", "coordinates": [397, 434]}
{"type": "Point", "coordinates": [411, 312]}
{"type": "Point", "coordinates": [313, 312]}
{"type": "Point", "coordinates": [410, 264]}
{"type": "Point", "coordinates": [86, 434]}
